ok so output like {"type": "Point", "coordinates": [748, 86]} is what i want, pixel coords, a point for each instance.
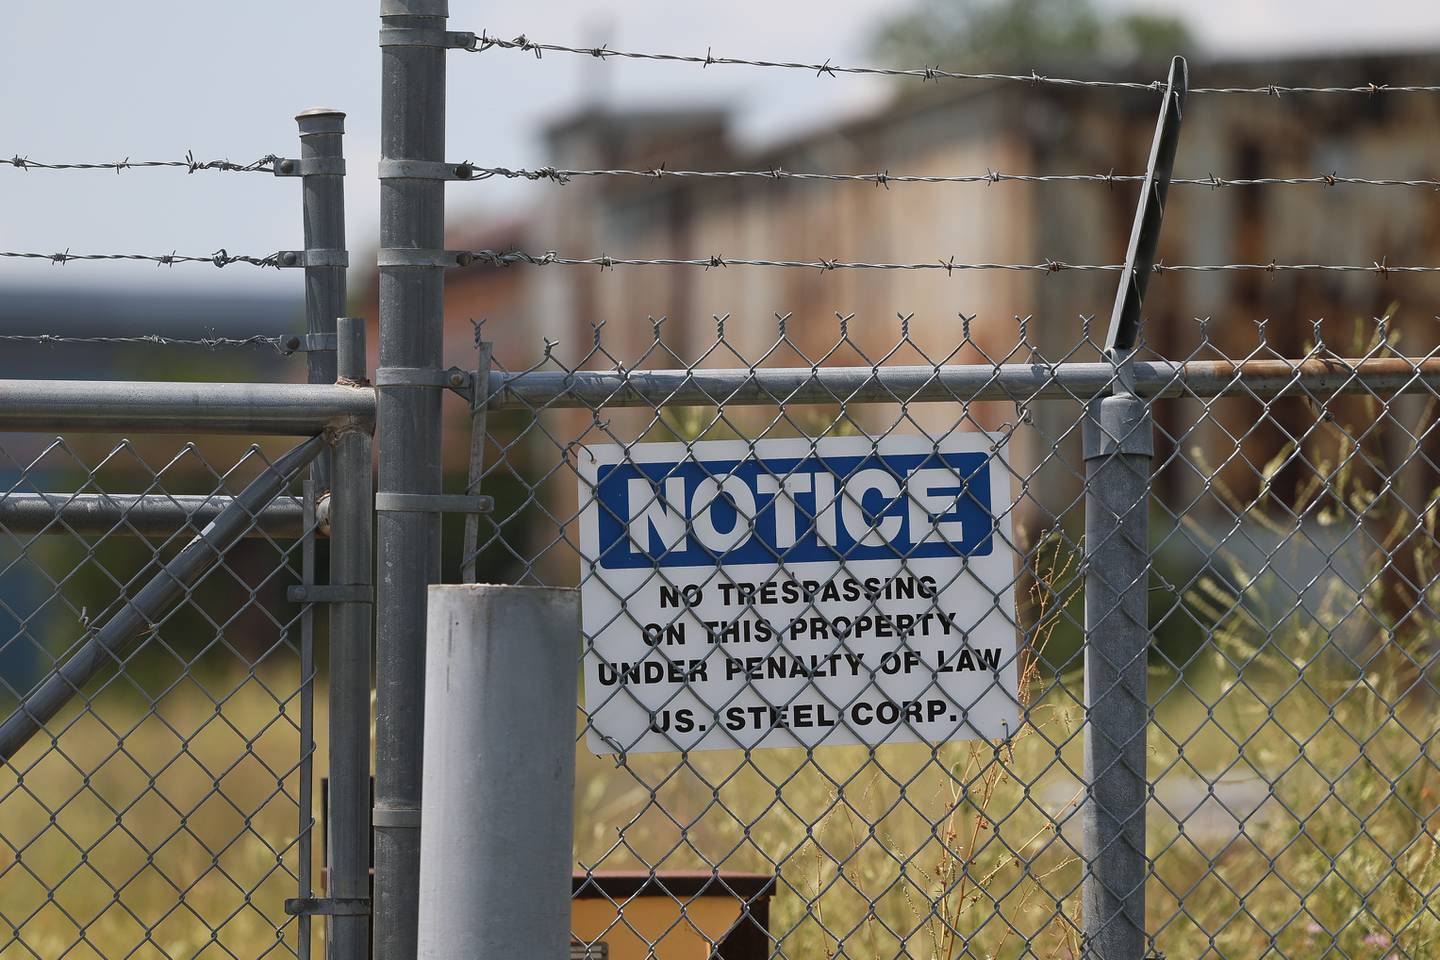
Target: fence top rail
{"type": "Point", "coordinates": [274, 409]}
{"type": "Point", "coordinates": [1261, 379]}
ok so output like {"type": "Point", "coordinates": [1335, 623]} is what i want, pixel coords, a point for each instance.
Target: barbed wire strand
{"type": "Point", "coordinates": [280, 345]}
{"type": "Point", "coordinates": [514, 257]}
{"type": "Point", "coordinates": [265, 164]}
{"type": "Point", "coordinates": [220, 258]}
{"type": "Point", "coordinates": [482, 42]}
{"type": "Point", "coordinates": [885, 178]}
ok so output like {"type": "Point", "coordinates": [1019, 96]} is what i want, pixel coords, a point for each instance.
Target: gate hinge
{"type": "Point", "coordinates": [451, 378]}
{"type": "Point", "coordinates": [328, 907]}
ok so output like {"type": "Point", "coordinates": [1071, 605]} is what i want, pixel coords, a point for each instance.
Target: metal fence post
{"type": "Point", "coordinates": [322, 186]}
{"type": "Point", "coordinates": [351, 500]}
{"type": "Point", "coordinates": [412, 220]}
{"type": "Point", "coordinates": [1118, 448]}
{"type": "Point", "coordinates": [1118, 445]}
{"type": "Point", "coordinates": [499, 772]}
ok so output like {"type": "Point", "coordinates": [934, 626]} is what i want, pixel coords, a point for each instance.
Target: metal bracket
{"type": "Point", "coordinates": [330, 593]}
{"type": "Point", "coordinates": [1124, 331]}
{"type": "Point", "coordinates": [310, 343]}
{"type": "Point", "coordinates": [425, 170]}
{"type": "Point", "coordinates": [309, 167]}
{"type": "Point", "coordinates": [404, 818]}
{"type": "Point", "coordinates": [432, 503]}
{"type": "Point", "coordinates": [312, 258]}
{"type": "Point", "coordinates": [451, 378]}
{"type": "Point", "coordinates": [414, 257]}
{"type": "Point", "coordinates": [328, 907]}
{"type": "Point", "coordinates": [423, 37]}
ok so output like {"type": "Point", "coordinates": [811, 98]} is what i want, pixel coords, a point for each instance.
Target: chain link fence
{"type": "Point", "coordinates": [1288, 767]}
{"type": "Point", "coordinates": [1116, 648]}
{"type": "Point", "coordinates": [1219, 594]}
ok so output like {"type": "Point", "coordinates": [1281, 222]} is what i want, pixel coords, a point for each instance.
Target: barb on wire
{"type": "Point", "coordinates": [950, 265]}
{"type": "Point", "coordinates": [884, 178]}
{"type": "Point", "coordinates": [281, 345]}
{"type": "Point", "coordinates": [265, 164]}
{"type": "Point", "coordinates": [482, 42]}
{"type": "Point", "coordinates": [220, 258]}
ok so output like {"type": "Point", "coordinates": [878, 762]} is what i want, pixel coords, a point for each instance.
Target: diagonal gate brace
{"type": "Point", "coordinates": [145, 610]}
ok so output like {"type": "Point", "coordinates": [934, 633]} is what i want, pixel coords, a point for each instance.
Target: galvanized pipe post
{"type": "Point", "coordinates": [499, 772]}
{"type": "Point", "coordinates": [351, 502]}
{"type": "Point", "coordinates": [1118, 439]}
{"type": "Point", "coordinates": [322, 186]}
{"type": "Point", "coordinates": [1118, 450]}
{"type": "Point", "coordinates": [412, 218]}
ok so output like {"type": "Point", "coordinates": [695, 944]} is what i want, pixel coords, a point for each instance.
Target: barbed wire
{"type": "Point", "coordinates": [884, 178]}
{"type": "Point", "coordinates": [220, 258]}
{"type": "Point", "coordinates": [265, 164]}
{"type": "Point", "coordinates": [482, 42]}
{"type": "Point", "coordinates": [950, 265]}
{"type": "Point", "coordinates": [281, 345]}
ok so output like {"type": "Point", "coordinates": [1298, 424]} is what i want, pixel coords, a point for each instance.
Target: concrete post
{"type": "Point", "coordinates": [499, 782]}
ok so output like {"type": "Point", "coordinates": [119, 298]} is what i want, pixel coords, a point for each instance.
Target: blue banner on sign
{"type": "Point", "coordinates": [795, 510]}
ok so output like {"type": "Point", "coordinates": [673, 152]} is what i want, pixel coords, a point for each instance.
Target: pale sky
{"type": "Point", "coordinates": [94, 80]}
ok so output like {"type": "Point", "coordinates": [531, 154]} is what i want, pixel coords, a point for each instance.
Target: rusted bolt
{"type": "Point", "coordinates": [290, 259]}
{"type": "Point", "coordinates": [287, 166]}
{"type": "Point", "coordinates": [465, 259]}
{"type": "Point", "coordinates": [464, 171]}
{"type": "Point", "coordinates": [457, 379]}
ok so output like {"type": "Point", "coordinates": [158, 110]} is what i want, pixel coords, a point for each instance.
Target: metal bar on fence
{"type": "Point", "coordinates": [151, 515]}
{"type": "Point", "coordinates": [273, 409]}
{"type": "Point", "coordinates": [305, 814]}
{"type": "Point", "coordinates": [1124, 330]}
{"type": "Point", "coordinates": [1118, 442]}
{"type": "Point", "coordinates": [588, 389]}
{"type": "Point", "coordinates": [131, 621]}
{"type": "Point", "coordinates": [499, 772]}
{"type": "Point", "coordinates": [351, 500]}
{"type": "Point", "coordinates": [476, 476]}
{"type": "Point", "coordinates": [322, 184]}
{"type": "Point", "coordinates": [412, 220]}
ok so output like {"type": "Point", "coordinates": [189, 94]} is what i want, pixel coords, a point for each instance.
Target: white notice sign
{"type": "Point", "coordinates": [797, 592]}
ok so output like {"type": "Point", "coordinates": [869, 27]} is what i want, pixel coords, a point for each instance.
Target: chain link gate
{"type": "Point", "coordinates": [159, 599]}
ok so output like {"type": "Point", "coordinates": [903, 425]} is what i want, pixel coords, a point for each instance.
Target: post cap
{"type": "Point", "coordinates": [320, 120]}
